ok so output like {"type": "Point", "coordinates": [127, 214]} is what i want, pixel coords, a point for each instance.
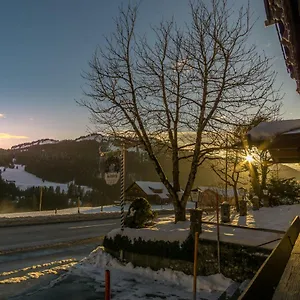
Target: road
{"type": "Point", "coordinates": [36, 235]}
{"type": "Point", "coordinates": [20, 271]}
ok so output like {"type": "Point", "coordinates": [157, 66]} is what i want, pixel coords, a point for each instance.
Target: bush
{"type": "Point", "coordinates": [139, 213]}
{"type": "Point", "coordinates": [283, 191]}
{"type": "Point", "coordinates": [237, 261]}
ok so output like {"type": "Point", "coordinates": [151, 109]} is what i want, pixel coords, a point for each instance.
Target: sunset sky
{"type": "Point", "coordinates": [46, 45]}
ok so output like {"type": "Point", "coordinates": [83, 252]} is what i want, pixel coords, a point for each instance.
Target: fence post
{"type": "Point", "coordinates": [195, 265]}
{"type": "Point", "coordinates": [107, 285]}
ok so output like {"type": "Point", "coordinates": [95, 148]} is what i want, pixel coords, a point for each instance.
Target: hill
{"type": "Point", "coordinates": [67, 160]}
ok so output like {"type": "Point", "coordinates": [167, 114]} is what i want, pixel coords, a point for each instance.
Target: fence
{"type": "Point", "coordinates": [264, 283]}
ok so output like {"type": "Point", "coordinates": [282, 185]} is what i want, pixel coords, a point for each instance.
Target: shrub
{"type": "Point", "coordinates": [283, 191]}
{"type": "Point", "coordinates": [237, 261]}
{"type": "Point", "coordinates": [139, 213]}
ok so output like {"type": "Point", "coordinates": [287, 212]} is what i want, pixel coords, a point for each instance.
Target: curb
{"type": "Point", "coordinates": [53, 245]}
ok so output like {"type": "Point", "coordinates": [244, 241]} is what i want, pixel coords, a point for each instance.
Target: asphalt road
{"type": "Point", "coordinates": [29, 271]}
{"type": "Point", "coordinates": [20, 271]}
{"type": "Point", "coordinates": [36, 235]}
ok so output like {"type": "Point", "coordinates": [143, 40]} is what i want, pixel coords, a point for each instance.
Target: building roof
{"type": "Point", "coordinates": [219, 191]}
{"type": "Point", "coordinates": [286, 17]}
{"type": "Point", "coordinates": [270, 130]}
{"type": "Point", "coordinates": [149, 186]}
{"type": "Point", "coordinates": [281, 138]}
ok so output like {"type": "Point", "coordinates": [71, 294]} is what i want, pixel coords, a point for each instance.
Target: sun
{"type": "Point", "coordinates": [249, 158]}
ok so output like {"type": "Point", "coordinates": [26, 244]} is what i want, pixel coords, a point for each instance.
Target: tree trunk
{"type": "Point", "coordinates": [180, 211]}
{"type": "Point", "coordinates": [264, 174]}
{"type": "Point", "coordinates": [236, 198]}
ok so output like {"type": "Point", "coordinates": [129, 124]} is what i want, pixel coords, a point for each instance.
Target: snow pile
{"type": "Point", "coordinates": [164, 230]}
{"type": "Point", "coordinates": [129, 282]}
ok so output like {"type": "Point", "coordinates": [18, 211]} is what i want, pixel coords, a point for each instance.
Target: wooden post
{"type": "Point", "coordinates": [195, 265]}
{"type": "Point", "coordinates": [107, 285]}
{"type": "Point", "coordinates": [226, 169]}
{"type": "Point", "coordinates": [123, 161]}
{"type": "Point", "coordinates": [41, 197]}
{"type": "Point", "coordinates": [78, 204]}
{"type": "Point", "coordinates": [218, 235]}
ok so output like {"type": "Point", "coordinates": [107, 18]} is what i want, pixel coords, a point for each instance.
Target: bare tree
{"type": "Point", "coordinates": [174, 94]}
{"type": "Point", "coordinates": [231, 175]}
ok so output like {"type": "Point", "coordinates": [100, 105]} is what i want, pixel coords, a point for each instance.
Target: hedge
{"type": "Point", "coordinates": [237, 261]}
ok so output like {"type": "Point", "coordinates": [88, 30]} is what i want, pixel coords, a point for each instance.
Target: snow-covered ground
{"type": "Point", "coordinates": [128, 282]}
{"type": "Point", "coordinates": [84, 210]}
{"type": "Point", "coordinates": [278, 218]}
{"type": "Point", "coordinates": [24, 180]}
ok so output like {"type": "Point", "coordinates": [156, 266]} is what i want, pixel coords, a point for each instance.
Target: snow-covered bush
{"type": "Point", "coordinates": [139, 213]}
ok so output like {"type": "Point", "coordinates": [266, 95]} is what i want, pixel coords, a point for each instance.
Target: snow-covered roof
{"type": "Point", "coordinates": [220, 191]}
{"type": "Point", "coordinates": [149, 186]}
{"type": "Point", "coordinates": [269, 130]}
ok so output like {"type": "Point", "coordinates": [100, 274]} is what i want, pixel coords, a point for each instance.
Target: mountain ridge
{"type": "Point", "coordinates": [45, 141]}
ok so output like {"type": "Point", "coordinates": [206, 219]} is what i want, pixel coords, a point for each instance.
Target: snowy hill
{"type": "Point", "coordinates": [90, 137]}
{"type": "Point", "coordinates": [25, 146]}
{"type": "Point", "coordinates": [24, 180]}
{"type": "Point", "coordinates": [111, 145]}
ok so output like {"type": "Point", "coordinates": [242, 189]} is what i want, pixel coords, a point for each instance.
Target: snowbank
{"type": "Point", "coordinates": [164, 230]}
{"type": "Point", "coordinates": [129, 282]}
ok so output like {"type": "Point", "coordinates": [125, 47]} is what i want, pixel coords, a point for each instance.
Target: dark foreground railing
{"type": "Point", "coordinates": [265, 281]}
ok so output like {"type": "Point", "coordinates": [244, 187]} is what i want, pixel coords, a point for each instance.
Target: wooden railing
{"type": "Point", "coordinates": [265, 281]}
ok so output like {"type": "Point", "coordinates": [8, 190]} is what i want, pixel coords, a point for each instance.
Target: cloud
{"type": "Point", "coordinates": [7, 136]}
{"type": "Point", "coordinates": [2, 116]}
{"type": "Point", "coordinates": [30, 119]}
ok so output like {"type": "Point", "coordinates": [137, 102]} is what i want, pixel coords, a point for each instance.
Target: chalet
{"type": "Point", "coordinates": [154, 192]}
{"type": "Point", "coordinates": [208, 195]}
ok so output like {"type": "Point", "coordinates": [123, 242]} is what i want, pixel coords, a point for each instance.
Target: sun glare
{"type": "Point", "coordinates": [249, 158]}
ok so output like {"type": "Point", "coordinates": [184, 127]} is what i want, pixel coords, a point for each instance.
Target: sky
{"type": "Point", "coordinates": [46, 46]}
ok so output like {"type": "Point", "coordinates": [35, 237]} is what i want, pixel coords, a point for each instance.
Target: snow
{"type": "Point", "coordinates": [220, 191]}
{"type": "Point", "coordinates": [149, 186]}
{"type": "Point", "coordinates": [85, 210]}
{"type": "Point", "coordinates": [34, 143]}
{"type": "Point", "coordinates": [268, 130]}
{"type": "Point", "coordinates": [129, 282]}
{"type": "Point", "coordinates": [24, 180]}
{"type": "Point", "coordinates": [276, 218]}
{"type": "Point", "coordinates": [91, 137]}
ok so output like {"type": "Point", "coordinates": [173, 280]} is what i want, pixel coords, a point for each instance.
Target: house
{"type": "Point", "coordinates": [154, 192]}
{"type": "Point", "coordinates": [208, 195]}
